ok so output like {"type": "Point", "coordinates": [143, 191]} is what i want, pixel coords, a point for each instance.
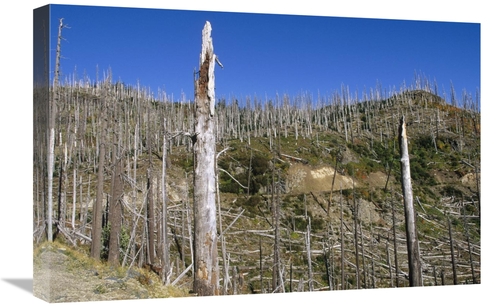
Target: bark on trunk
{"type": "Point", "coordinates": [164, 197]}
{"type": "Point", "coordinates": [150, 208]}
{"type": "Point", "coordinates": [150, 218]}
{"type": "Point", "coordinates": [415, 273]}
{"type": "Point", "coordinates": [206, 278]}
{"type": "Point", "coordinates": [51, 134]}
{"type": "Point", "coordinates": [115, 211]}
{"type": "Point", "coordinates": [98, 210]}
{"type": "Point", "coordinates": [115, 207]}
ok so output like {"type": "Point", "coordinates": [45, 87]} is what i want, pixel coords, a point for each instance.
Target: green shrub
{"type": "Point", "coordinates": [124, 240]}
{"type": "Point", "coordinates": [317, 224]}
{"type": "Point", "coordinates": [451, 191]}
{"type": "Point", "coordinates": [299, 222]}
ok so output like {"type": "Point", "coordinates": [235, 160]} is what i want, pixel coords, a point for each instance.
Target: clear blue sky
{"type": "Point", "coordinates": [266, 54]}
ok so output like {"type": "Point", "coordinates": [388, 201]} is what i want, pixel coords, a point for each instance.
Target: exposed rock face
{"type": "Point", "coordinates": [304, 179]}
{"type": "Point", "coordinates": [469, 179]}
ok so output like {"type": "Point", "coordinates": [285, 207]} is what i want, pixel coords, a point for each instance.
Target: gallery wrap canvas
{"type": "Point", "coordinates": [181, 154]}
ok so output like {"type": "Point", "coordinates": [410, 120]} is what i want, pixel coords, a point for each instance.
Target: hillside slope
{"type": "Point", "coordinates": [323, 178]}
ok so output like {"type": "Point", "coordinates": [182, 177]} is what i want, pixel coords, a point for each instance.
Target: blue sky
{"type": "Point", "coordinates": [266, 54]}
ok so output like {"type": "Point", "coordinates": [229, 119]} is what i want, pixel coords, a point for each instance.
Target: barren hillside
{"type": "Point", "coordinates": [324, 178]}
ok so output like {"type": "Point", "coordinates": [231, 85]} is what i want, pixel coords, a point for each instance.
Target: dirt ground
{"type": "Point", "coordinates": [58, 277]}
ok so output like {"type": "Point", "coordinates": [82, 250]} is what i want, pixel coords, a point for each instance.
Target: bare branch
{"type": "Point", "coordinates": [244, 187]}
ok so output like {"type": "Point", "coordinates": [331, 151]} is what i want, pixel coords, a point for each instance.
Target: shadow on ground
{"type": "Point", "coordinates": [22, 283]}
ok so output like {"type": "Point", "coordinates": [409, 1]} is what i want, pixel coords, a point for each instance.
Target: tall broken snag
{"type": "Point", "coordinates": [415, 273]}
{"type": "Point", "coordinates": [206, 277]}
{"type": "Point", "coordinates": [205, 85]}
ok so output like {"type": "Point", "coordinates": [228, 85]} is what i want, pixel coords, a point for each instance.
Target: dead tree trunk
{"type": "Point", "coordinates": [452, 251]}
{"type": "Point", "coordinates": [164, 196]}
{"type": "Point", "coordinates": [415, 273]}
{"type": "Point", "coordinates": [73, 212]}
{"type": "Point", "coordinates": [206, 278]}
{"type": "Point", "coordinates": [95, 250]}
{"type": "Point", "coordinates": [276, 224]}
{"type": "Point", "coordinates": [355, 226]}
{"type": "Point", "coordinates": [115, 206]}
{"type": "Point", "coordinates": [261, 269]}
{"type": "Point", "coordinates": [115, 210]}
{"type": "Point", "coordinates": [150, 208]}
{"type": "Point", "coordinates": [396, 267]}
{"type": "Point", "coordinates": [328, 258]}
{"type": "Point", "coordinates": [310, 280]}
{"type": "Point", "coordinates": [51, 133]}
{"type": "Point", "coordinates": [150, 218]}
{"type": "Point", "coordinates": [360, 225]}
{"type": "Point", "coordinates": [388, 256]}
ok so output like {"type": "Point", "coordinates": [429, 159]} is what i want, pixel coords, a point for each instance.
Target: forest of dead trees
{"type": "Point", "coordinates": [111, 160]}
{"type": "Point", "coordinates": [113, 172]}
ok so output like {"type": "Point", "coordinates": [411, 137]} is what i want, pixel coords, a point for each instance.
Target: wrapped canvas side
{"type": "Point", "coordinates": [41, 96]}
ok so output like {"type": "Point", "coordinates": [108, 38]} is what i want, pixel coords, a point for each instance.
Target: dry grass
{"type": "Point", "coordinates": [66, 274]}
